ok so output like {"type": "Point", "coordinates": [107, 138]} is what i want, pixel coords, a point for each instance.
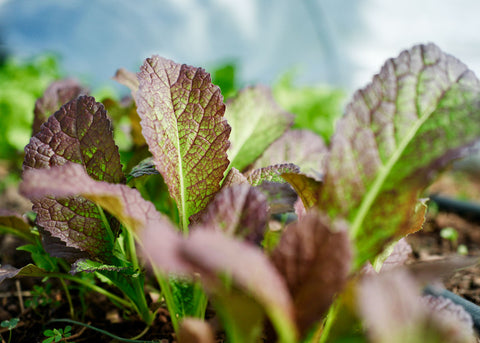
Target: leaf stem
{"type": "Point", "coordinates": [74, 322]}
{"type": "Point", "coordinates": [69, 298]}
{"type": "Point", "coordinates": [93, 287]}
{"type": "Point", "coordinates": [383, 173]}
{"type": "Point", "coordinates": [168, 296]}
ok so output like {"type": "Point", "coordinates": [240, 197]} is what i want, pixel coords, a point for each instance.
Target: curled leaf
{"type": "Point", "coordinates": [307, 188]}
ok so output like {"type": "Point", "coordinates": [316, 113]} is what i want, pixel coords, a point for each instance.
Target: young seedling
{"type": "Point", "coordinates": [10, 325]}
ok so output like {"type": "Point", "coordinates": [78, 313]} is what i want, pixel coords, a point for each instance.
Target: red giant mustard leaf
{"type": "Point", "coordinates": [57, 94]}
{"type": "Point", "coordinates": [304, 148]}
{"type": "Point", "coordinates": [79, 132]}
{"type": "Point", "coordinates": [257, 121]}
{"type": "Point", "coordinates": [182, 119]}
{"type": "Point", "coordinates": [419, 113]}
{"type": "Point", "coordinates": [315, 262]}
{"type": "Point", "coordinates": [240, 210]}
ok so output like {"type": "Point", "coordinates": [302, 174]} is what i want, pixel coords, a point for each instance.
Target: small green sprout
{"type": "Point", "coordinates": [57, 335]}
{"type": "Point", "coordinates": [450, 234]}
{"type": "Point", "coordinates": [10, 325]}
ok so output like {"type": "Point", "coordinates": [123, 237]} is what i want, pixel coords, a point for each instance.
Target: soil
{"type": "Point", "coordinates": [15, 295]}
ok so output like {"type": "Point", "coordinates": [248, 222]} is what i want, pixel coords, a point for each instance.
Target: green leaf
{"type": "Point", "coordinates": [316, 108]}
{"type": "Point", "coordinates": [182, 120]}
{"type": "Point", "coordinates": [257, 121]}
{"type": "Point", "coordinates": [11, 222]}
{"type": "Point", "coordinates": [419, 113]}
{"type": "Point", "coordinates": [79, 132]}
{"type": "Point", "coordinates": [93, 266]}
{"type": "Point", "coordinates": [21, 82]}
{"type": "Point", "coordinates": [10, 324]}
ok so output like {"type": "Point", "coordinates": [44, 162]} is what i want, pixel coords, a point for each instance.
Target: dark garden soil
{"type": "Point", "coordinates": [96, 310]}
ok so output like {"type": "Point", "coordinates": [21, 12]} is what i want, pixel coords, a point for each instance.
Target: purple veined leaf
{"type": "Point", "coordinates": [304, 148]}
{"type": "Point", "coordinates": [419, 113]}
{"type": "Point", "coordinates": [257, 121]}
{"type": "Point", "coordinates": [314, 257]}
{"type": "Point", "coordinates": [271, 173]}
{"type": "Point", "coordinates": [181, 115]}
{"type": "Point", "coordinates": [79, 132]}
{"type": "Point", "coordinates": [57, 94]}
{"type": "Point", "coordinates": [239, 210]}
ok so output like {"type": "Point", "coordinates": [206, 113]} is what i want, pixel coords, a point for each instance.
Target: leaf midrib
{"type": "Point", "coordinates": [385, 170]}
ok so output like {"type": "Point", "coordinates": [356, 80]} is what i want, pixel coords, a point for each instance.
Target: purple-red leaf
{"type": "Point", "coordinates": [240, 210]}
{"type": "Point", "coordinates": [57, 94]}
{"type": "Point", "coordinates": [79, 132]}
{"type": "Point", "coordinates": [183, 124]}
{"type": "Point", "coordinates": [315, 261]}
{"type": "Point", "coordinates": [419, 114]}
{"type": "Point", "coordinates": [304, 148]}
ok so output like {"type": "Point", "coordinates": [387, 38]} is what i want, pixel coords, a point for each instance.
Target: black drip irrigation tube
{"type": "Point", "coordinates": [471, 212]}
